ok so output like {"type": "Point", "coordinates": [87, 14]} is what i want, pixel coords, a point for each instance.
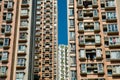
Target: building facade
{"type": "Point", "coordinates": [28, 39]}
{"type": "Point", "coordinates": [94, 39]}
{"type": "Point", "coordinates": [45, 40]}
{"type": "Point", "coordinates": [15, 31]}
{"type": "Point", "coordinates": [62, 63]}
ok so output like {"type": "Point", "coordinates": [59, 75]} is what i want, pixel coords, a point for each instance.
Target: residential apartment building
{"type": "Point", "coordinates": [62, 63]}
{"type": "Point", "coordinates": [15, 40]}
{"type": "Point", "coordinates": [45, 40]}
{"type": "Point", "coordinates": [94, 39]}
{"type": "Point", "coordinates": [28, 39]}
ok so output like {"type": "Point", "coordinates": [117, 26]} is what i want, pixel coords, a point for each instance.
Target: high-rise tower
{"type": "Point", "coordinates": [28, 39]}
{"type": "Point", "coordinates": [94, 38]}
{"type": "Point", "coordinates": [62, 62]}
{"type": "Point", "coordinates": [45, 40]}
{"type": "Point", "coordinates": [15, 39]}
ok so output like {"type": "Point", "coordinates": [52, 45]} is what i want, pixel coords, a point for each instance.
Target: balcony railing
{"type": "Point", "coordinates": [90, 40]}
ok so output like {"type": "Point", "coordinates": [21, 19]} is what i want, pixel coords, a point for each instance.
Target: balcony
{"type": "Point", "coordinates": [92, 68]}
{"type": "Point", "coordinates": [110, 5]}
{"type": "Point", "coordinates": [36, 70]}
{"type": "Point", "coordinates": [89, 40]}
{"type": "Point", "coordinates": [80, 15]}
{"type": "Point", "coordinates": [95, 3]}
{"type": "Point", "coordinates": [95, 14]}
{"type": "Point", "coordinates": [115, 56]}
{"type": "Point", "coordinates": [20, 66]}
{"type": "Point", "coordinates": [25, 3]}
{"type": "Point", "coordinates": [23, 37]}
{"type": "Point", "coordinates": [24, 13]}
{"type": "Point", "coordinates": [111, 17]}
{"type": "Point", "coordinates": [116, 71]}
{"type": "Point", "coordinates": [88, 14]}
{"type": "Point", "coordinates": [24, 24]}
{"type": "Point", "coordinates": [112, 29]}
{"type": "Point", "coordinates": [114, 42]}
{"type": "Point", "coordinates": [88, 26]}
{"type": "Point", "coordinates": [36, 64]}
{"type": "Point", "coordinates": [21, 52]}
{"type": "Point", "coordinates": [37, 34]}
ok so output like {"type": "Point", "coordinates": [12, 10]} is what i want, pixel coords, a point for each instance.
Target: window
{"type": "Point", "coordinates": [73, 75]}
{"type": "Point", "coordinates": [23, 35]}
{"type": "Point", "coordinates": [81, 26]}
{"type": "Point", "coordinates": [110, 3]}
{"type": "Point", "coordinates": [115, 54]}
{"type": "Point", "coordinates": [111, 15]}
{"type": "Point", "coordinates": [10, 4]}
{"type": "Point", "coordinates": [109, 72]}
{"type": "Point", "coordinates": [3, 70]}
{"type": "Point", "coordinates": [80, 13]}
{"type": "Point", "coordinates": [4, 55]}
{"type": "Point", "coordinates": [71, 12]}
{"type": "Point", "coordinates": [97, 39]}
{"type": "Point", "coordinates": [96, 25]}
{"type": "Point", "coordinates": [100, 67]}
{"type": "Point", "coordinates": [24, 12]}
{"type": "Point", "coordinates": [21, 48]}
{"type": "Point", "coordinates": [95, 13]}
{"type": "Point", "coordinates": [5, 28]}
{"type": "Point", "coordinates": [82, 53]}
{"type": "Point", "coordinates": [38, 2]}
{"type": "Point", "coordinates": [98, 53]}
{"type": "Point", "coordinates": [21, 62]}
{"type": "Point", "coordinates": [107, 55]}
{"type": "Point", "coordinates": [83, 68]}
{"type": "Point", "coordinates": [81, 40]}
{"type": "Point", "coordinates": [112, 28]}
{"type": "Point", "coordinates": [71, 22]}
{"type": "Point", "coordinates": [9, 16]}
{"type": "Point", "coordinates": [20, 76]}
{"type": "Point", "coordinates": [6, 42]}
{"type": "Point", "coordinates": [24, 1]}
{"type": "Point", "coordinates": [73, 60]}
{"type": "Point", "coordinates": [24, 23]}
{"type": "Point", "coordinates": [72, 35]}
{"type": "Point", "coordinates": [72, 47]}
